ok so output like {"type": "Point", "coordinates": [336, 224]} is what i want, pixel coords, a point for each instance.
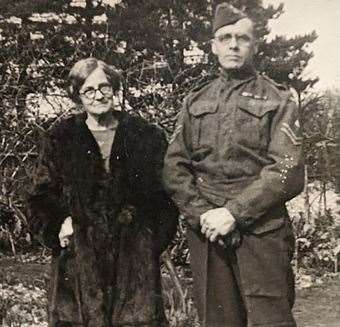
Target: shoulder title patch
{"type": "Point", "coordinates": [278, 85]}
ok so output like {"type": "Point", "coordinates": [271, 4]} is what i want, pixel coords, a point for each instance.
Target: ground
{"type": "Point", "coordinates": [319, 306]}
{"type": "Point", "coordinates": [23, 298]}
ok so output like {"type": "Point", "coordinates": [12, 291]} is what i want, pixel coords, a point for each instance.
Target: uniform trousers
{"type": "Point", "coordinates": [250, 286]}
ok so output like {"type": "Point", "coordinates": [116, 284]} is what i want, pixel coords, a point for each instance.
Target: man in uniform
{"type": "Point", "coordinates": [233, 161]}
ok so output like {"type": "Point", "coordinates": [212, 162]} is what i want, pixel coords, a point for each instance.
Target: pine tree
{"type": "Point", "coordinates": [147, 40]}
{"type": "Point", "coordinates": [40, 40]}
{"type": "Point", "coordinates": [167, 28]}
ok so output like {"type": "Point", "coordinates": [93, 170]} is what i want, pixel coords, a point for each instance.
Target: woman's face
{"type": "Point", "coordinates": [96, 93]}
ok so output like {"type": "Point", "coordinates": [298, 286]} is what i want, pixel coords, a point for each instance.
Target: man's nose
{"type": "Point", "coordinates": [233, 44]}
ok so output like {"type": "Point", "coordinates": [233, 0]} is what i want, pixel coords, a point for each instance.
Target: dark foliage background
{"type": "Point", "coordinates": [162, 48]}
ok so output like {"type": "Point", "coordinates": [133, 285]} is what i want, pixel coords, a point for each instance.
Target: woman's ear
{"type": "Point", "coordinates": [70, 89]}
{"type": "Point", "coordinates": [73, 94]}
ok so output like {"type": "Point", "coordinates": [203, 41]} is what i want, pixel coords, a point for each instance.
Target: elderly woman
{"type": "Point", "coordinates": [98, 202]}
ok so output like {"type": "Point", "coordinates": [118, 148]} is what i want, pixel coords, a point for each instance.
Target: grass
{"type": "Point", "coordinates": [23, 298]}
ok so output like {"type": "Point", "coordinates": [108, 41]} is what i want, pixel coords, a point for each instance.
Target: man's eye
{"type": "Point", "coordinates": [244, 38]}
{"type": "Point", "coordinates": [224, 38]}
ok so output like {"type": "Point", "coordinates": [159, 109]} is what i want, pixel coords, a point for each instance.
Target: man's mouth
{"type": "Point", "coordinates": [233, 57]}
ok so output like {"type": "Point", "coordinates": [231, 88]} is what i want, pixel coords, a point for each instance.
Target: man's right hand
{"type": "Point", "coordinates": [66, 231]}
{"type": "Point", "coordinates": [217, 222]}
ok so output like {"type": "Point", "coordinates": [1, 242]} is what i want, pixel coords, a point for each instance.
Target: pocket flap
{"type": "Point", "coordinates": [203, 107]}
{"type": "Point", "coordinates": [257, 107]}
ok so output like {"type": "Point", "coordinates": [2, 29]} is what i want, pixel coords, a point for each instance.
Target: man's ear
{"type": "Point", "coordinates": [213, 47]}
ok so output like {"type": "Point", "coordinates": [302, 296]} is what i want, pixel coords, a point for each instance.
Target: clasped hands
{"type": "Point", "coordinates": [216, 223]}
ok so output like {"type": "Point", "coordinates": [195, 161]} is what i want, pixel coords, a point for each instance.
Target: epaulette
{"type": "Point", "coordinates": [278, 85]}
{"type": "Point", "coordinates": [205, 80]}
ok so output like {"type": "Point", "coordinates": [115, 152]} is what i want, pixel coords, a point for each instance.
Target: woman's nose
{"type": "Point", "coordinates": [98, 95]}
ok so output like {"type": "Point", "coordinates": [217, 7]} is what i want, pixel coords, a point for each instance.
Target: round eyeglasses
{"type": "Point", "coordinates": [105, 90]}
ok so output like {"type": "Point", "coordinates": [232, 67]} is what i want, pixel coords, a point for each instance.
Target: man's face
{"type": "Point", "coordinates": [234, 45]}
{"type": "Point", "coordinates": [96, 93]}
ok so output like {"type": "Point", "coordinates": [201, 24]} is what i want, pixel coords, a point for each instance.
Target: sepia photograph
{"type": "Point", "coordinates": [169, 163]}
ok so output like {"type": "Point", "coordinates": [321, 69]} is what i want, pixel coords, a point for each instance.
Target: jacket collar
{"type": "Point", "coordinates": [233, 79]}
{"type": "Point", "coordinates": [238, 76]}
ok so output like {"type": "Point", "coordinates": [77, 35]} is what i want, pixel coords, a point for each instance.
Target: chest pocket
{"type": "Point", "coordinates": [252, 122]}
{"type": "Point", "coordinates": [204, 124]}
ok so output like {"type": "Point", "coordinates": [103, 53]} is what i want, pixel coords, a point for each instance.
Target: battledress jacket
{"type": "Point", "coordinates": [122, 221]}
{"type": "Point", "coordinates": [237, 144]}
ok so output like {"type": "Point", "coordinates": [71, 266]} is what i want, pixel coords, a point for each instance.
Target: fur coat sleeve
{"type": "Point", "coordinates": [47, 210]}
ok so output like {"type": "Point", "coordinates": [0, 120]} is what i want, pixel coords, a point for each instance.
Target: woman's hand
{"type": "Point", "coordinates": [66, 231]}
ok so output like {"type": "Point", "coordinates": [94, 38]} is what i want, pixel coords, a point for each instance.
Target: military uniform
{"type": "Point", "coordinates": [237, 145]}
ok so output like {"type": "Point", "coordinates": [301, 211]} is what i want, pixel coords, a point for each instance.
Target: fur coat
{"type": "Point", "coordinates": [122, 221]}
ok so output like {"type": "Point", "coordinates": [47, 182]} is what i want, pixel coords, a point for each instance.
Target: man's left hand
{"type": "Point", "coordinates": [217, 222]}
